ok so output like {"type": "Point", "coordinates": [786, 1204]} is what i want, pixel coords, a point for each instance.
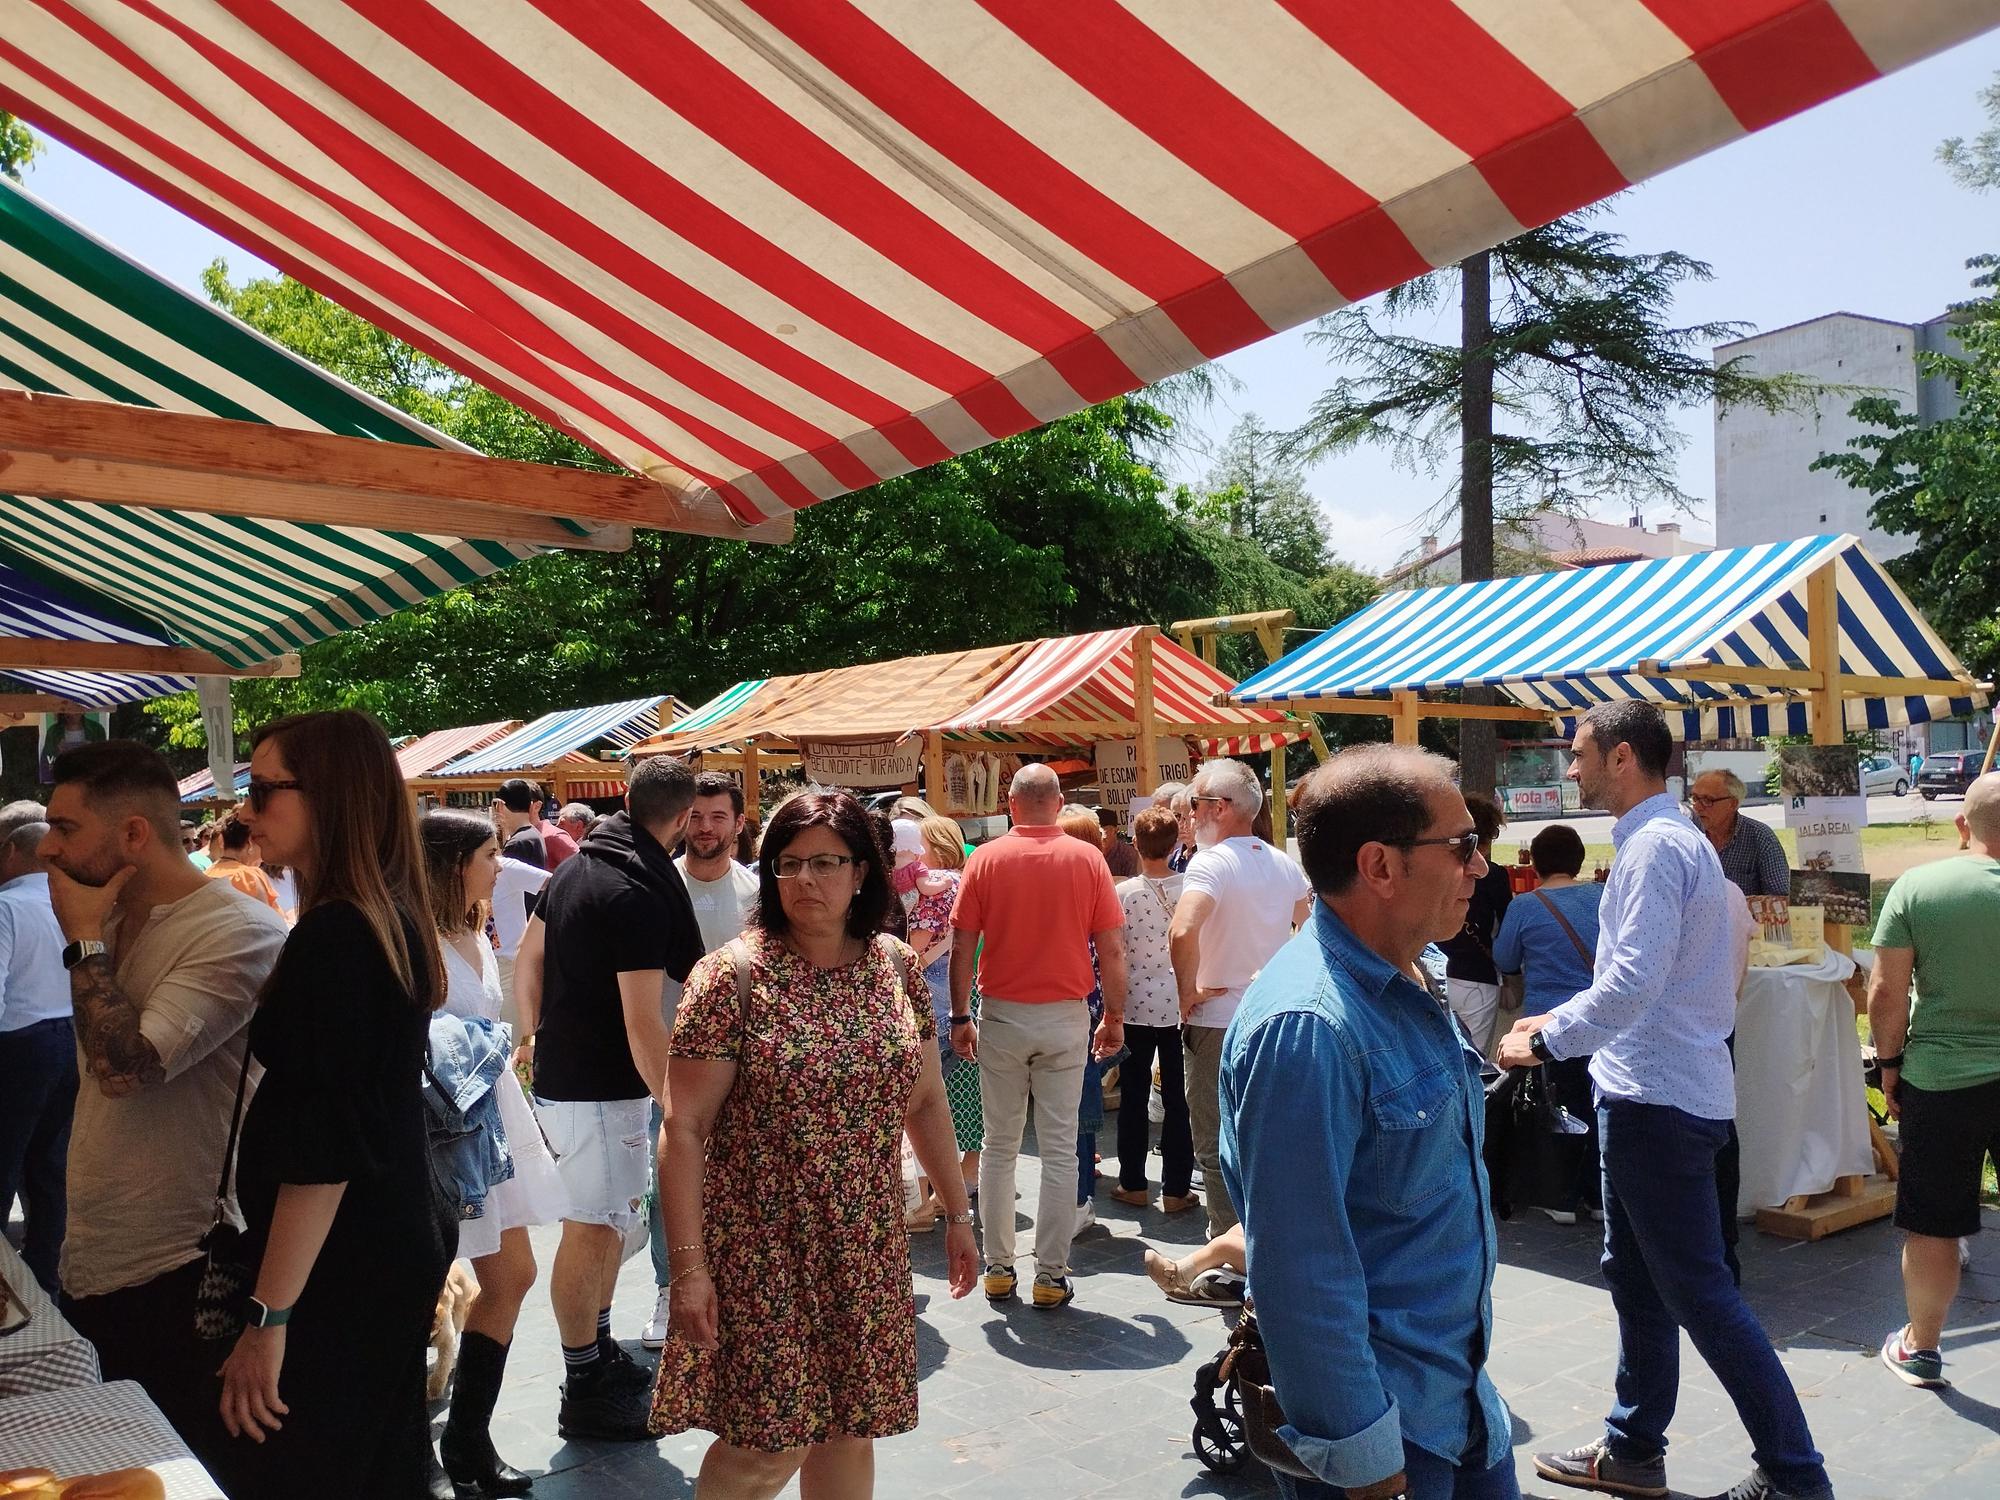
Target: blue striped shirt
{"type": "Point", "coordinates": [1663, 1001]}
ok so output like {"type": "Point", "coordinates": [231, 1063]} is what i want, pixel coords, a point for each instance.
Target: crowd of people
{"type": "Point", "coordinates": [262, 1084]}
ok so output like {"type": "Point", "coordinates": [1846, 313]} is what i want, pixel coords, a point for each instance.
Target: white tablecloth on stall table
{"type": "Point", "coordinates": [1800, 1100]}
{"type": "Point", "coordinates": [46, 1354]}
{"type": "Point", "coordinates": [94, 1429]}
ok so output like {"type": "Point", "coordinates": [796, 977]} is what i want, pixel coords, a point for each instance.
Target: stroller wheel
{"type": "Point", "coordinates": [1219, 1444]}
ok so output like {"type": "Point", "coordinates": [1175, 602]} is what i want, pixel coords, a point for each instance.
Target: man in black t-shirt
{"type": "Point", "coordinates": [514, 817]}
{"type": "Point", "coordinates": [597, 978]}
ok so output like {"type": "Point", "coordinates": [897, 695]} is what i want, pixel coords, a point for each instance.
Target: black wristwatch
{"type": "Point", "coordinates": [1890, 1062]}
{"type": "Point", "coordinates": [961, 1020]}
{"type": "Point", "coordinates": [1538, 1045]}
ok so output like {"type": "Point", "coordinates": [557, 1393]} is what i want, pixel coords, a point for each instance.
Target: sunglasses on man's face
{"type": "Point", "coordinates": [1464, 845]}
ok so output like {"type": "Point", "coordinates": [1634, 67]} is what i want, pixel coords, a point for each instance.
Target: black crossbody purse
{"type": "Point", "coordinates": [226, 1276]}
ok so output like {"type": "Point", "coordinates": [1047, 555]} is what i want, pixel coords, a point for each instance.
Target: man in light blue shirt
{"type": "Point", "coordinates": [1656, 1018]}
{"type": "Point", "coordinates": [1352, 1116]}
{"type": "Point", "coordinates": [37, 1052]}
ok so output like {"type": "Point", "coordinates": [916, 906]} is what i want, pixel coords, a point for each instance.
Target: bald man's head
{"type": "Point", "coordinates": [1034, 795]}
{"type": "Point", "coordinates": [1982, 811]}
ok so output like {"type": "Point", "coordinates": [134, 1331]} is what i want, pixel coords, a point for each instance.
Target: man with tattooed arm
{"type": "Point", "coordinates": [165, 967]}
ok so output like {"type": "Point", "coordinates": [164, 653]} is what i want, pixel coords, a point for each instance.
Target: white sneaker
{"type": "Point", "coordinates": [1559, 1215]}
{"type": "Point", "coordinates": [654, 1335]}
{"type": "Point", "coordinates": [1086, 1218]}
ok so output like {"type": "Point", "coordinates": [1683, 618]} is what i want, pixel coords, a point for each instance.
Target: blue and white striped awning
{"type": "Point", "coordinates": [1564, 641]}
{"type": "Point", "coordinates": [33, 608]}
{"type": "Point", "coordinates": [546, 740]}
{"type": "Point", "coordinates": [200, 787]}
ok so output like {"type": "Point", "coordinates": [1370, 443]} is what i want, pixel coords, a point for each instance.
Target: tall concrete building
{"type": "Point", "coordinates": [1765, 487]}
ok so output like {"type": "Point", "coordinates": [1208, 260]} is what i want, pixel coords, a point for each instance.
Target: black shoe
{"type": "Point", "coordinates": [1761, 1486]}
{"type": "Point", "coordinates": [597, 1406]}
{"type": "Point", "coordinates": [477, 1472]}
{"type": "Point", "coordinates": [625, 1371]}
{"type": "Point", "coordinates": [1595, 1467]}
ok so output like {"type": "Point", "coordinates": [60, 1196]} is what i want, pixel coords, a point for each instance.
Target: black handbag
{"type": "Point", "coordinates": [226, 1276]}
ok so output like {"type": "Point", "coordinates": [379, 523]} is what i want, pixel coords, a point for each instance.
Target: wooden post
{"type": "Point", "coordinates": [1403, 723]}
{"type": "Point", "coordinates": [1320, 751]}
{"type": "Point", "coordinates": [1208, 649]}
{"type": "Point", "coordinates": [1992, 744]}
{"type": "Point", "coordinates": [1823, 654]}
{"type": "Point", "coordinates": [1279, 811]}
{"type": "Point", "coordinates": [752, 802]}
{"type": "Point", "coordinates": [1146, 713]}
{"type": "Point", "coordinates": [934, 771]}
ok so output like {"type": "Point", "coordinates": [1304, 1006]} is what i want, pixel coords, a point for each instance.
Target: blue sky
{"type": "Point", "coordinates": [1842, 208]}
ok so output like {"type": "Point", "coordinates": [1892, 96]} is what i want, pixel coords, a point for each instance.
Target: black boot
{"type": "Point", "coordinates": [467, 1444]}
{"type": "Point", "coordinates": [438, 1485]}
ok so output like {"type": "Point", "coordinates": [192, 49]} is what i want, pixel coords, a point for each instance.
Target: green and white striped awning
{"type": "Point", "coordinates": [78, 318]}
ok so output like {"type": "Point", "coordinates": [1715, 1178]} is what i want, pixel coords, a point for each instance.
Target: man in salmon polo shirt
{"type": "Point", "coordinates": [1029, 906]}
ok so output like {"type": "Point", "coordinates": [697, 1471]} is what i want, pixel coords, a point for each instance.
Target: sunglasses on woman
{"type": "Point", "coordinates": [261, 791]}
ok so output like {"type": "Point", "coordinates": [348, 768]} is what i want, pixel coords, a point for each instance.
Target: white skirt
{"type": "Point", "coordinates": [533, 1195]}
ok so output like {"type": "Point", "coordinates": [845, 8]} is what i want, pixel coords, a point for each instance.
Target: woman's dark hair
{"type": "Point", "coordinates": [843, 813]}
{"type": "Point", "coordinates": [895, 920]}
{"type": "Point", "coordinates": [235, 833]}
{"type": "Point", "coordinates": [451, 839]}
{"type": "Point", "coordinates": [364, 838]}
{"type": "Point", "coordinates": [1486, 816]}
{"type": "Point", "coordinates": [1557, 850]}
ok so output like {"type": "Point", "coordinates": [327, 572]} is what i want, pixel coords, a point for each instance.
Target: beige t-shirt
{"type": "Point", "coordinates": [143, 1169]}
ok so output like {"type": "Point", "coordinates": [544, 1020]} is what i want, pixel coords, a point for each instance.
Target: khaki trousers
{"type": "Point", "coordinates": [1036, 1050]}
{"type": "Point", "coordinates": [1203, 1047]}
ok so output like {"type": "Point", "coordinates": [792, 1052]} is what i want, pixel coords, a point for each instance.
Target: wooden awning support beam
{"type": "Point", "coordinates": [1804, 681]}
{"type": "Point", "coordinates": [30, 653]}
{"type": "Point", "coordinates": [43, 703]}
{"type": "Point", "coordinates": [105, 453]}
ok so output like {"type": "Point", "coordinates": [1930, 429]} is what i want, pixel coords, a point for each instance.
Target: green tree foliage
{"type": "Point", "coordinates": [1065, 528]}
{"type": "Point", "coordinates": [1975, 163]}
{"type": "Point", "coordinates": [18, 146]}
{"type": "Point", "coordinates": [1560, 388]}
{"type": "Point", "coordinates": [1257, 490]}
{"type": "Point", "coordinates": [1940, 481]}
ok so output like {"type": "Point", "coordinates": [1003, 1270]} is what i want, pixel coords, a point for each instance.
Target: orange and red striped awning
{"type": "Point", "coordinates": [786, 248]}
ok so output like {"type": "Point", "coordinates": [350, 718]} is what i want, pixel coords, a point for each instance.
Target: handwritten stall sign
{"type": "Point", "coordinates": [861, 764]}
{"type": "Point", "coordinates": [1118, 768]}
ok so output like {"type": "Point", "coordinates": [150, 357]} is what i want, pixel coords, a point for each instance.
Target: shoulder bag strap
{"type": "Point", "coordinates": [886, 944]}
{"type": "Point", "coordinates": [1563, 922]}
{"type": "Point", "coordinates": [739, 960]}
{"type": "Point", "coordinates": [235, 1126]}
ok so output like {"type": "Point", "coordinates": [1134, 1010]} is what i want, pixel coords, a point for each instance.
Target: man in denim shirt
{"type": "Point", "coordinates": [1352, 1116]}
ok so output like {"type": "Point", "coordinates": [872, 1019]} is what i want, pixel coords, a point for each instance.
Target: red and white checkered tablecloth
{"type": "Point", "coordinates": [94, 1429]}
{"type": "Point", "coordinates": [46, 1354]}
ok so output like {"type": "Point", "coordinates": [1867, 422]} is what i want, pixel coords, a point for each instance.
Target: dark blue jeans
{"type": "Point", "coordinates": [1663, 1258]}
{"type": "Point", "coordinates": [37, 1099]}
{"type": "Point", "coordinates": [1430, 1478]}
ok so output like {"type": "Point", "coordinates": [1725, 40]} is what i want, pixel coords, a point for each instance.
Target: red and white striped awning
{"type": "Point", "coordinates": [787, 248]}
{"type": "Point", "coordinates": [1089, 680]}
{"type": "Point", "coordinates": [426, 753]}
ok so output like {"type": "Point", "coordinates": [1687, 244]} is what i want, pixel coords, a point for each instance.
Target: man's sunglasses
{"type": "Point", "coordinates": [1464, 845]}
{"type": "Point", "coordinates": [261, 791]}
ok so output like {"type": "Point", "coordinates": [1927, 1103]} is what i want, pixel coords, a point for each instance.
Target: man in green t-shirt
{"type": "Point", "coordinates": [1940, 1064]}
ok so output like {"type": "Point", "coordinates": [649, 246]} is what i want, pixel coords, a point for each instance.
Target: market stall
{"type": "Point", "coordinates": [1809, 636]}
{"type": "Point", "coordinates": [551, 750]}
{"type": "Point", "coordinates": [956, 724]}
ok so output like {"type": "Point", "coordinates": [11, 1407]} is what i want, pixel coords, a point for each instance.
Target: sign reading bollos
{"type": "Point", "coordinates": [861, 764]}
{"type": "Point", "coordinates": [1118, 768]}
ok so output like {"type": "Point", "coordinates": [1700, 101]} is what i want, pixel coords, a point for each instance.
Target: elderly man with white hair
{"type": "Point", "coordinates": [1030, 904]}
{"type": "Point", "coordinates": [1240, 901]}
{"type": "Point", "coordinates": [1750, 852]}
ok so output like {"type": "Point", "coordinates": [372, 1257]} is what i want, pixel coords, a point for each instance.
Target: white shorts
{"type": "Point", "coordinates": [602, 1156]}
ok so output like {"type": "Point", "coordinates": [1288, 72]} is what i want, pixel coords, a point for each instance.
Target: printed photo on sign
{"type": "Point", "coordinates": [1819, 771]}
{"type": "Point", "coordinates": [1841, 895]}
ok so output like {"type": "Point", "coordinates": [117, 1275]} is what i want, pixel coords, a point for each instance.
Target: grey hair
{"type": "Point", "coordinates": [576, 812]}
{"type": "Point", "coordinates": [25, 838]}
{"type": "Point", "coordinates": [1164, 794]}
{"type": "Point", "coordinates": [1731, 782]}
{"type": "Point", "coordinates": [14, 814]}
{"type": "Point", "coordinates": [1036, 783]}
{"type": "Point", "coordinates": [1231, 779]}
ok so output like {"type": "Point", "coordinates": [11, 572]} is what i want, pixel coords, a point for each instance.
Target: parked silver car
{"type": "Point", "coordinates": [1881, 774]}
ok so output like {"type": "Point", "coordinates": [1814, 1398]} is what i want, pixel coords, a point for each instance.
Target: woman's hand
{"type": "Point", "coordinates": [250, 1403]}
{"type": "Point", "coordinates": [691, 1309]}
{"type": "Point", "coordinates": [961, 1258]}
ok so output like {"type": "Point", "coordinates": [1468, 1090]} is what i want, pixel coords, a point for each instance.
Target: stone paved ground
{"type": "Point", "coordinates": [1093, 1400]}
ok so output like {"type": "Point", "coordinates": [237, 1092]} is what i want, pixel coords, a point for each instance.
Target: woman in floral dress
{"type": "Point", "coordinates": [793, 1329]}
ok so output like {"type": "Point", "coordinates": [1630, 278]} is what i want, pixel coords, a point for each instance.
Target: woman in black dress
{"type": "Point", "coordinates": [323, 1394]}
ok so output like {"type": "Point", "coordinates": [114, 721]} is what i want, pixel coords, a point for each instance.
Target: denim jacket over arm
{"type": "Point", "coordinates": [1352, 1118]}
{"type": "Point", "coordinates": [469, 1057]}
